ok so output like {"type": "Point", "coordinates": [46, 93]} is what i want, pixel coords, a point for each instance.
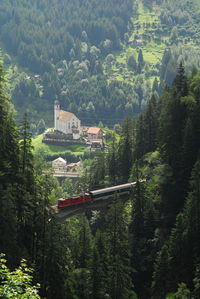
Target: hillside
{"type": "Point", "coordinates": [99, 59]}
{"type": "Point", "coordinates": [146, 247]}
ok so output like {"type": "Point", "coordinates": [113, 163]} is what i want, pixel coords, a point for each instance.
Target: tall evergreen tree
{"type": "Point", "coordinates": [160, 275]}
{"type": "Point", "coordinates": [9, 171]}
{"type": "Point", "coordinates": [119, 274]}
{"type": "Point", "coordinates": [100, 267]}
{"type": "Point", "coordinates": [180, 81]}
{"type": "Point", "coordinates": [113, 162]}
{"type": "Point", "coordinates": [125, 153]}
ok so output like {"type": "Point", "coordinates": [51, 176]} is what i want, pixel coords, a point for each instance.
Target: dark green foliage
{"type": "Point", "coordinates": [140, 61]}
{"type": "Point", "coordinates": [160, 276]}
{"type": "Point", "coordinates": [100, 266]}
{"type": "Point", "coordinates": [113, 168]}
{"type": "Point", "coordinates": [131, 61]}
{"type": "Point", "coordinates": [97, 171]}
{"type": "Point", "coordinates": [180, 81]}
{"type": "Point", "coordinates": [125, 150]}
{"type": "Point", "coordinates": [97, 258]}
{"type": "Point", "coordinates": [64, 56]}
{"type": "Point", "coordinates": [119, 271]}
{"type": "Point", "coordinates": [146, 129]}
{"type": "Point", "coordinates": [9, 171]}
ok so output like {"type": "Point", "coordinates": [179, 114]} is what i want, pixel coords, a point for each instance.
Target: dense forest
{"type": "Point", "coordinates": [97, 58]}
{"type": "Point", "coordinates": [147, 248]}
{"type": "Point", "coordinates": [124, 62]}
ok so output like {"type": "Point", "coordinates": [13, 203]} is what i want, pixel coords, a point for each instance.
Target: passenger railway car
{"type": "Point", "coordinates": [95, 195]}
{"type": "Point", "coordinates": [109, 192]}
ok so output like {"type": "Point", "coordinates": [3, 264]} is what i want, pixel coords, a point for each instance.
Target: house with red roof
{"type": "Point", "coordinates": [94, 133]}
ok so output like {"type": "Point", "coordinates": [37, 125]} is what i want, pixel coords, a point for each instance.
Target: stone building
{"type": "Point", "coordinates": [66, 122]}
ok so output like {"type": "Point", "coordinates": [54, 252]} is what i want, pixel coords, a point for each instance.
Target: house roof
{"type": "Point", "coordinates": [65, 115]}
{"type": "Point", "coordinates": [93, 130]}
{"type": "Point", "coordinates": [59, 160]}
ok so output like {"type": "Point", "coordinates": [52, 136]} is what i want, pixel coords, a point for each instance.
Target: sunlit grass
{"type": "Point", "coordinates": [55, 149]}
{"type": "Point", "coordinates": [197, 4]}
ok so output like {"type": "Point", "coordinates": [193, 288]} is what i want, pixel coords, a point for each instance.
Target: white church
{"type": "Point", "coordinates": [66, 122]}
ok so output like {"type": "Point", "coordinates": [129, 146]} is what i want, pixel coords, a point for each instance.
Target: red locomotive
{"type": "Point", "coordinates": [64, 202]}
{"type": "Point", "coordinates": [95, 195]}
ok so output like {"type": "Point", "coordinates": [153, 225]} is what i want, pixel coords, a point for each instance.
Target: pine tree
{"type": "Point", "coordinates": [113, 162]}
{"type": "Point", "coordinates": [160, 275]}
{"type": "Point", "coordinates": [82, 274]}
{"type": "Point", "coordinates": [9, 171]}
{"type": "Point", "coordinates": [120, 285]}
{"type": "Point", "coordinates": [125, 154]}
{"type": "Point", "coordinates": [155, 86]}
{"type": "Point", "coordinates": [140, 61]}
{"type": "Point", "coordinates": [100, 267]}
{"type": "Point", "coordinates": [138, 240]}
{"type": "Point", "coordinates": [181, 81]}
{"type": "Point", "coordinates": [25, 198]}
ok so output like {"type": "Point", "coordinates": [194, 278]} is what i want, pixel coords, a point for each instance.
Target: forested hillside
{"type": "Point", "coordinates": [105, 61]}
{"type": "Point", "coordinates": [97, 58]}
{"type": "Point", "coordinates": [147, 248]}
{"type": "Point", "coordinates": [65, 44]}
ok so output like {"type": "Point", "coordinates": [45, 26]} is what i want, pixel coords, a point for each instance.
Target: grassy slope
{"type": "Point", "coordinates": [153, 51]}
{"type": "Point", "coordinates": [145, 23]}
{"type": "Point", "coordinates": [55, 149]}
{"type": "Point", "coordinates": [197, 4]}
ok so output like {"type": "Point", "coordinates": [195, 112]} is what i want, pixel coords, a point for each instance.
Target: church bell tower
{"type": "Point", "coordinates": [56, 113]}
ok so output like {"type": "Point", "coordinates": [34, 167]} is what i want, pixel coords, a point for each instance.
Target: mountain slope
{"type": "Point", "coordinates": [99, 59]}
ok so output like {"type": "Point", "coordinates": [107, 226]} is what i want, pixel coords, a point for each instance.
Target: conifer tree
{"type": "Point", "coordinates": [181, 81]}
{"type": "Point", "coordinates": [25, 198]}
{"type": "Point", "coordinates": [160, 275]}
{"type": "Point", "coordinates": [113, 162]}
{"type": "Point", "coordinates": [140, 61]}
{"type": "Point", "coordinates": [59, 281]}
{"type": "Point", "coordinates": [100, 267]}
{"type": "Point", "coordinates": [9, 171]}
{"type": "Point", "coordinates": [119, 274]}
{"type": "Point", "coordinates": [155, 86]}
{"type": "Point", "coordinates": [125, 149]}
{"type": "Point", "coordinates": [82, 274]}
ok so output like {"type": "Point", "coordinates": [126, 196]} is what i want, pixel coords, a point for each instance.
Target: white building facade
{"type": "Point", "coordinates": [66, 122]}
{"type": "Point", "coordinates": [59, 163]}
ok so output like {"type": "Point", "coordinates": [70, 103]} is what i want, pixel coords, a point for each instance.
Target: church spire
{"type": "Point", "coordinates": [56, 113]}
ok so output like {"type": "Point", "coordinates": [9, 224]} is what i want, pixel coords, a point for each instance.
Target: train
{"type": "Point", "coordinates": [95, 195]}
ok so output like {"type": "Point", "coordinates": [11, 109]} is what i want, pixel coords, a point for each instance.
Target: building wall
{"type": "Point", "coordinates": [58, 164]}
{"type": "Point", "coordinates": [66, 126]}
{"type": "Point", "coordinates": [95, 136]}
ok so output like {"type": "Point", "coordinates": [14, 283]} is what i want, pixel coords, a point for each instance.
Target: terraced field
{"type": "Point", "coordinates": [145, 37]}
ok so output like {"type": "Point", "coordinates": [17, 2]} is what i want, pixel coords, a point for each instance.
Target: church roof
{"type": "Point", "coordinates": [65, 115]}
